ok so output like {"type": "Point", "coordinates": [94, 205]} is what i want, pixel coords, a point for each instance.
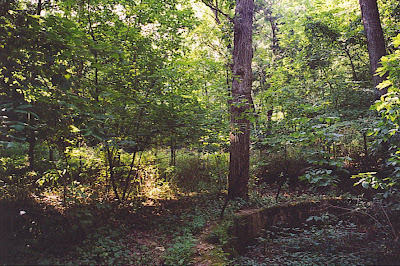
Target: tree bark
{"type": "Point", "coordinates": [241, 103]}
{"type": "Point", "coordinates": [31, 138]}
{"type": "Point", "coordinates": [375, 40]}
{"type": "Point", "coordinates": [39, 7]}
{"type": "Point", "coordinates": [111, 162]}
{"type": "Point", "coordinates": [353, 67]}
{"type": "Point", "coordinates": [31, 149]}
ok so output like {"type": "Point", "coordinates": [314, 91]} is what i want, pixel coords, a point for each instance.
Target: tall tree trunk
{"type": "Point", "coordinates": [39, 7]}
{"type": "Point", "coordinates": [31, 138]}
{"type": "Point", "coordinates": [111, 165]}
{"type": "Point", "coordinates": [353, 67]}
{"type": "Point", "coordinates": [172, 160]}
{"type": "Point", "coordinates": [31, 149]}
{"type": "Point", "coordinates": [242, 102]}
{"type": "Point", "coordinates": [375, 40]}
{"type": "Point", "coordinates": [51, 154]}
{"type": "Point", "coordinates": [128, 177]}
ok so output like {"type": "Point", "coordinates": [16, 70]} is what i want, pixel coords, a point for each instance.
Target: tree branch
{"type": "Point", "coordinates": [216, 9]}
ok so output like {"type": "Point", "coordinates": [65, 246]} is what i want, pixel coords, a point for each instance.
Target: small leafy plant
{"type": "Point", "coordinates": [181, 252]}
{"type": "Point", "coordinates": [320, 177]}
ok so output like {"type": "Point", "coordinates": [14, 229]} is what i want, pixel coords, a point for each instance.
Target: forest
{"type": "Point", "coordinates": [200, 132]}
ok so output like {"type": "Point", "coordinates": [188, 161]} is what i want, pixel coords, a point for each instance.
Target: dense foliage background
{"type": "Point", "coordinates": [112, 106]}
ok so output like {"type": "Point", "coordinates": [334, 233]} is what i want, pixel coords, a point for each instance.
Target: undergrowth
{"type": "Point", "coordinates": [324, 240]}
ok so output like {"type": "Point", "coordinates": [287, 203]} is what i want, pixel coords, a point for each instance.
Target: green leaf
{"type": "Point", "coordinates": [74, 129]}
{"type": "Point", "coordinates": [375, 186]}
{"type": "Point", "coordinates": [384, 84]}
{"type": "Point", "coordinates": [24, 106]}
{"type": "Point", "coordinates": [18, 127]}
{"type": "Point", "coordinates": [396, 41]}
{"type": "Point", "coordinates": [365, 184]}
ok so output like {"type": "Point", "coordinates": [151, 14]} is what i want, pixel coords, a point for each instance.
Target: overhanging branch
{"type": "Point", "coordinates": [216, 9]}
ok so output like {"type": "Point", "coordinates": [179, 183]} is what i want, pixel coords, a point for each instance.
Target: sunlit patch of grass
{"type": "Point", "coordinates": [151, 186]}
{"type": "Point", "coordinates": [161, 191]}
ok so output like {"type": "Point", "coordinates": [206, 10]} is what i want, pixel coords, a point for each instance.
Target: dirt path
{"type": "Point", "coordinates": [206, 253]}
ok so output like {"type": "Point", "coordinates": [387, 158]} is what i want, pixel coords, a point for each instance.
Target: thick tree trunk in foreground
{"type": "Point", "coordinates": [375, 40]}
{"type": "Point", "coordinates": [242, 102]}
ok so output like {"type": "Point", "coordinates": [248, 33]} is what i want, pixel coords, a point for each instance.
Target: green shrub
{"type": "Point", "coordinates": [181, 252]}
{"type": "Point", "coordinates": [195, 172]}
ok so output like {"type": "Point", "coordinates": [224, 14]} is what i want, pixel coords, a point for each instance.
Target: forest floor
{"type": "Point", "coordinates": [334, 243]}
{"type": "Point", "coordinates": [177, 231]}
